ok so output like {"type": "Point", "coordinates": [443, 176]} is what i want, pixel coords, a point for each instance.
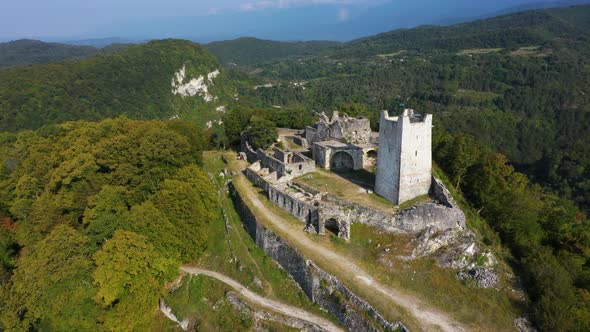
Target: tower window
{"type": "Point", "coordinates": [416, 153]}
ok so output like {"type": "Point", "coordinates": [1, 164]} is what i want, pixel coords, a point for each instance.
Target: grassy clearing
{"type": "Point", "coordinates": [351, 186]}
{"type": "Point", "coordinates": [232, 252]}
{"type": "Point", "coordinates": [530, 51]}
{"type": "Point", "coordinates": [378, 253]}
{"type": "Point", "coordinates": [390, 55]}
{"type": "Point", "coordinates": [479, 309]}
{"type": "Point", "coordinates": [476, 51]}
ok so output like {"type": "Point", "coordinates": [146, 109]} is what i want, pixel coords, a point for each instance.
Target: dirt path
{"type": "Point", "coordinates": [429, 318]}
{"type": "Point", "coordinates": [272, 305]}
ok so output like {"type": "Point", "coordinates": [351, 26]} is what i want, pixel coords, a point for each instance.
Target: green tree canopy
{"type": "Point", "coordinates": [262, 132]}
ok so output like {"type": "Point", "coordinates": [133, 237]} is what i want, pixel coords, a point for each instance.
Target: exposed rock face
{"type": "Point", "coordinates": [484, 278]}
{"type": "Point", "coordinates": [458, 249]}
{"type": "Point", "coordinates": [195, 86]}
{"type": "Point", "coordinates": [167, 311]}
{"type": "Point", "coordinates": [322, 288]}
{"type": "Point", "coordinates": [522, 324]}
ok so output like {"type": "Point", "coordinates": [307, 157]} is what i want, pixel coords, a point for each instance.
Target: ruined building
{"type": "Point", "coordinates": [342, 142]}
{"type": "Point", "coordinates": [404, 163]}
{"type": "Point", "coordinates": [340, 128]}
{"type": "Point", "coordinates": [403, 172]}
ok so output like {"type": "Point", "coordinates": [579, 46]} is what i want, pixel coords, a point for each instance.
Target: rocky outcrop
{"type": "Point", "coordinates": [322, 288]}
{"type": "Point", "coordinates": [522, 324]}
{"type": "Point", "coordinates": [458, 249]}
{"type": "Point", "coordinates": [484, 278]}
{"type": "Point", "coordinates": [195, 86]}
{"type": "Point", "coordinates": [167, 311]}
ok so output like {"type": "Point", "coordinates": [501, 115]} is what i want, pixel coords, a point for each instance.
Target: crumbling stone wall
{"type": "Point", "coordinates": [440, 217]}
{"type": "Point", "coordinates": [251, 155]}
{"type": "Point", "coordinates": [442, 194]}
{"type": "Point", "coordinates": [299, 209]}
{"type": "Point", "coordinates": [339, 128]}
{"type": "Point", "coordinates": [354, 313]}
{"type": "Point", "coordinates": [260, 177]}
{"type": "Point", "coordinates": [284, 163]}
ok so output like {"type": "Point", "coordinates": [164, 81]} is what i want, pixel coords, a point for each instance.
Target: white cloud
{"type": "Point", "coordinates": [266, 4]}
{"type": "Point", "coordinates": [213, 11]}
{"type": "Point", "coordinates": [343, 14]}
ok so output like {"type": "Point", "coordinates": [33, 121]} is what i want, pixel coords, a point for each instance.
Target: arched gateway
{"type": "Point", "coordinates": [341, 161]}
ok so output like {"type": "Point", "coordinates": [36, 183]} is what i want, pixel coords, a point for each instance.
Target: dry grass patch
{"type": "Point", "coordinates": [475, 51]}
{"type": "Point", "coordinates": [351, 186]}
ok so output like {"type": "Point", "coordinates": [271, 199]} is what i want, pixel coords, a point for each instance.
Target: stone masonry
{"type": "Point", "coordinates": [403, 172]}
{"type": "Point", "coordinates": [339, 128]}
{"type": "Point", "coordinates": [404, 162]}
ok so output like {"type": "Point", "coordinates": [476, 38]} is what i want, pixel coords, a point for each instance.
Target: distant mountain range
{"type": "Point", "coordinates": [322, 22]}
{"type": "Point", "coordinates": [26, 52]}
{"type": "Point", "coordinates": [514, 9]}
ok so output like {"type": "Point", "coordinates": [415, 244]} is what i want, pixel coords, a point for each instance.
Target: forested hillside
{"type": "Point", "coordinates": [102, 215]}
{"type": "Point", "coordinates": [29, 52]}
{"type": "Point", "coordinates": [135, 81]}
{"type": "Point", "coordinates": [515, 30]}
{"type": "Point", "coordinates": [548, 236]}
{"type": "Point", "coordinates": [246, 51]}
{"type": "Point", "coordinates": [519, 83]}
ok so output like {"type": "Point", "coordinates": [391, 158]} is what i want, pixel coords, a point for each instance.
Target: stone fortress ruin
{"type": "Point", "coordinates": [401, 152]}
{"type": "Point", "coordinates": [404, 165]}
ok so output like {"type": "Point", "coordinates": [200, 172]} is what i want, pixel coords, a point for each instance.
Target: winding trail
{"type": "Point", "coordinates": [272, 305]}
{"type": "Point", "coordinates": [428, 318]}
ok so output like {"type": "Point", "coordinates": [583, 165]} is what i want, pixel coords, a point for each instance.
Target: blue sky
{"type": "Point", "coordinates": [74, 17]}
{"type": "Point", "coordinates": [208, 20]}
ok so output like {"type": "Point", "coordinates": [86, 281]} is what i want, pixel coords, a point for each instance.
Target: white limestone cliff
{"type": "Point", "coordinates": [194, 86]}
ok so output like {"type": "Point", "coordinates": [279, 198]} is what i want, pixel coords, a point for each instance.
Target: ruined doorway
{"type": "Point", "coordinates": [342, 161]}
{"type": "Point", "coordinates": [370, 160]}
{"type": "Point", "coordinates": [332, 226]}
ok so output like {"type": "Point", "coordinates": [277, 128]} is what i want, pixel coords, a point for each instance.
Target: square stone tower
{"type": "Point", "coordinates": [404, 161]}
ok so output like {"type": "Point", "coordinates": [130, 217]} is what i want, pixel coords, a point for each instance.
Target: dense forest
{"type": "Point", "coordinates": [30, 52]}
{"type": "Point", "coordinates": [135, 81]}
{"type": "Point", "coordinates": [101, 215]}
{"type": "Point", "coordinates": [246, 51]}
{"type": "Point", "coordinates": [549, 238]}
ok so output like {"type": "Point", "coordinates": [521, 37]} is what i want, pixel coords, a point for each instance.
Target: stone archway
{"type": "Point", "coordinates": [342, 161]}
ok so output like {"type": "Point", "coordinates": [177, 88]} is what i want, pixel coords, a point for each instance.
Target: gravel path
{"type": "Point", "coordinates": [271, 305]}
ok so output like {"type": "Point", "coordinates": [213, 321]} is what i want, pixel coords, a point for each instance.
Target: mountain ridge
{"type": "Point", "coordinates": [135, 81]}
{"type": "Point", "coordinates": [29, 51]}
